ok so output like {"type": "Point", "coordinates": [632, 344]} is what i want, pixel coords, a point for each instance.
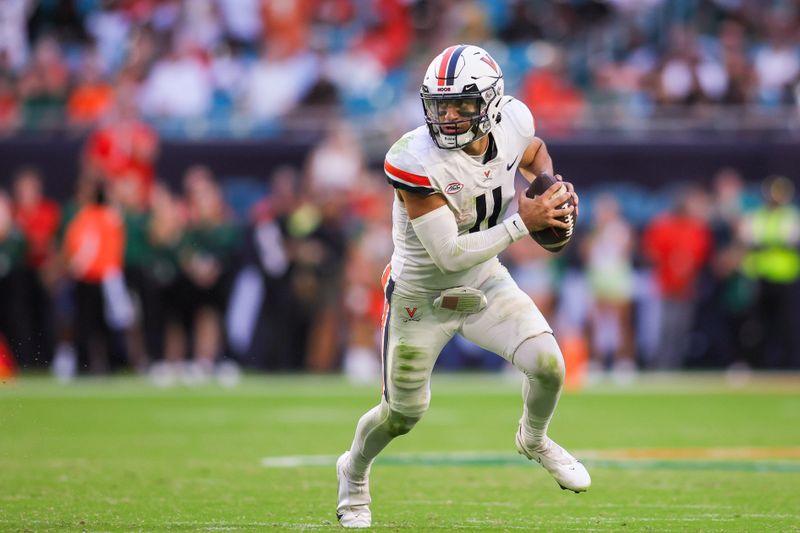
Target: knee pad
{"type": "Point", "coordinates": [540, 358]}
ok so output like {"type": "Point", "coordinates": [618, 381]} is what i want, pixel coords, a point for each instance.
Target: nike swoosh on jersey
{"type": "Point", "coordinates": [508, 166]}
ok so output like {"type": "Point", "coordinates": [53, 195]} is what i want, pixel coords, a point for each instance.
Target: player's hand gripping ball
{"type": "Point", "coordinates": [552, 239]}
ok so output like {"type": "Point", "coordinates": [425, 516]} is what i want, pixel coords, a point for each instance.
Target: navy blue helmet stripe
{"type": "Point", "coordinates": [451, 66]}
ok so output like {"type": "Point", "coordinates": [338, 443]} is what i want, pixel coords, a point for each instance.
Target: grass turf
{"type": "Point", "coordinates": [121, 455]}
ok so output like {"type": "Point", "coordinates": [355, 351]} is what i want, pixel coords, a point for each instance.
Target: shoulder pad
{"type": "Point", "coordinates": [518, 114]}
{"type": "Point", "coordinates": [403, 167]}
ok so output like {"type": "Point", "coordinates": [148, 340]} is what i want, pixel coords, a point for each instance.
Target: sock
{"type": "Point", "coordinates": [540, 359]}
{"type": "Point", "coordinates": [372, 436]}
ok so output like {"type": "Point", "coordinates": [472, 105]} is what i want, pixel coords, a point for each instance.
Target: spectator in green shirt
{"type": "Point", "coordinates": [206, 255]}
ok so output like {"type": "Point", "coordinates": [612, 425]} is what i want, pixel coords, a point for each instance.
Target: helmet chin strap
{"type": "Point", "coordinates": [451, 141]}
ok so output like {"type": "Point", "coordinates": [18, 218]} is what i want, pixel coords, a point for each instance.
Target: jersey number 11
{"type": "Point", "coordinates": [480, 207]}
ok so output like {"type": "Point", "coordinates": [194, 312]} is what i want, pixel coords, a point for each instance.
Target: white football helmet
{"type": "Point", "coordinates": [464, 82]}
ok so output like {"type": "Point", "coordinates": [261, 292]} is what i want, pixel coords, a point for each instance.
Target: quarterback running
{"type": "Point", "coordinates": [454, 183]}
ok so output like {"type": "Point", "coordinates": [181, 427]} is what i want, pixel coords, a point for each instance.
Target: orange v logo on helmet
{"type": "Point", "coordinates": [489, 61]}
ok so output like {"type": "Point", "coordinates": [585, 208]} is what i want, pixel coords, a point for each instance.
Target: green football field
{"type": "Point", "coordinates": [690, 453]}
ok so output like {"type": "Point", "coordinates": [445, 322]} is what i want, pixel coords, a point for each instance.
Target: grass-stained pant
{"type": "Point", "coordinates": [414, 333]}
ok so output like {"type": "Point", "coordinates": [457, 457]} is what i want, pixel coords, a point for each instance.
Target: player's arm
{"type": "Point", "coordinates": [434, 222]}
{"type": "Point", "coordinates": [535, 160]}
{"type": "Point", "coordinates": [436, 227]}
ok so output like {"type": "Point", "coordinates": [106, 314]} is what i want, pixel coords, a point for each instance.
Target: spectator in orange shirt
{"type": "Point", "coordinates": [94, 246]}
{"type": "Point", "coordinates": [389, 34]}
{"type": "Point", "coordinates": [678, 244]}
{"type": "Point", "coordinates": [286, 25]}
{"type": "Point", "coordinates": [555, 102]}
{"type": "Point", "coordinates": [38, 219]}
{"type": "Point", "coordinates": [92, 98]}
{"type": "Point", "coordinates": [123, 147]}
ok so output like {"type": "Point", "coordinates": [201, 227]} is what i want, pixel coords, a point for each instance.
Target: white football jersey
{"type": "Point", "coordinates": [477, 193]}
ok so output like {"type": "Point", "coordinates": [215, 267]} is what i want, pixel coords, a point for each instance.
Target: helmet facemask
{"type": "Point", "coordinates": [471, 109]}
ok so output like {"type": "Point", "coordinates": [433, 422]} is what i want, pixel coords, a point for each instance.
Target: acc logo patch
{"type": "Point", "coordinates": [454, 187]}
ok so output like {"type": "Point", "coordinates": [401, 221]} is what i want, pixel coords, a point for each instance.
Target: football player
{"type": "Point", "coordinates": [454, 182]}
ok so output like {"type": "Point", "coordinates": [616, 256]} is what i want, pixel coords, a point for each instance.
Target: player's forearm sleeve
{"type": "Point", "coordinates": [451, 252]}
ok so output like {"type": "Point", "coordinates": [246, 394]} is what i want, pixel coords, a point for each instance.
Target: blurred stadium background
{"type": "Point", "coordinates": [226, 157]}
{"type": "Point", "coordinates": [241, 141]}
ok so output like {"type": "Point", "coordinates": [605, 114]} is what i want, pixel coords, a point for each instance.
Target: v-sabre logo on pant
{"type": "Point", "coordinates": [412, 315]}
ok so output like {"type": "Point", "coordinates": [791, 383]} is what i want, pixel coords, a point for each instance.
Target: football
{"type": "Point", "coordinates": [552, 239]}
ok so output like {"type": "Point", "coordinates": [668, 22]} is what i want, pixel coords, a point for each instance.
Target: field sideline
{"type": "Point", "coordinates": [669, 453]}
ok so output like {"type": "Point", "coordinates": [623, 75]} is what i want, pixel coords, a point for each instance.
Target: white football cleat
{"type": "Point", "coordinates": [568, 472]}
{"type": "Point", "coordinates": [353, 507]}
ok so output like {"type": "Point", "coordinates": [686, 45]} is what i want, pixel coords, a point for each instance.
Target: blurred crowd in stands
{"type": "Point", "coordinates": [129, 274]}
{"type": "Point", "coordinates": [247, 67]}
{"type": "Point", "coordinates": [181, 285]}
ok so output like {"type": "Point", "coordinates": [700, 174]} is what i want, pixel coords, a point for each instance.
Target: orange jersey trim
{"type": "Point", "coordinates": [408, 177]}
